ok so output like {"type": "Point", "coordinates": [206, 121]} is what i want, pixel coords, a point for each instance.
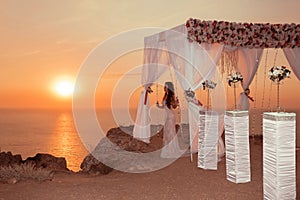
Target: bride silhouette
{"type": "Point", "coordinates": [170, 141]}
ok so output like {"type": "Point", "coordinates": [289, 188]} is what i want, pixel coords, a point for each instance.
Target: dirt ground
{"type": "Point", "coordinates": [181, 180]}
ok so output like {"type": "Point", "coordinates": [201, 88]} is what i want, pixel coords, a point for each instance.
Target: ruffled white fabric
{"type": "Point", "coordinates": [171, 147]}
{"type": "Point", "coordinates": [208, 140]}
{"type": "Point", "coordinates": [237, 146]}
{"type": "Point", "coordinates": [279, 159]}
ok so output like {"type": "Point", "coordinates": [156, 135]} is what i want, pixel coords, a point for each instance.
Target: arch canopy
{"type": "Point", "coordinates": [194, 50]}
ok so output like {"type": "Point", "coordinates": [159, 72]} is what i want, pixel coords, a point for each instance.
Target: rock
{"type": "Point", "coordinates": [7, 159]}
{"type": "Point", "coordinates": [12, 181]}
{"type": "Point", "coordinates": [48, 161]}
{"type": "Point", "coordinates": [126, 141]}
{"type": "Point", "coordinates": [109, 148]}
{"type": "Point", "coordinates": [115, 152]}
{"type": "Point", "coordinates": [91, 165]}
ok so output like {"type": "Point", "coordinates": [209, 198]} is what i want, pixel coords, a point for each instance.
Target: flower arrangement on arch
{"type": "Point", "coordinates": [234, 78]}
{"type": "Point", "coordinates": [253, 35]}
{"type": "Point", "coordinates": [278, 73]}
{"type": "Point", "coordinates": [209, 84]}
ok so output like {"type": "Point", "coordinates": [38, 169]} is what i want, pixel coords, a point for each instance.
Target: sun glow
{"type": "Point", "coordinates": [64, 88]}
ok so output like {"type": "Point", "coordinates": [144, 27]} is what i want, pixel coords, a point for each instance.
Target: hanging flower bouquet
{"type": "Point", "coordinates": [234, 78]}
{"type": "Point", "coordinates": [277, 74]}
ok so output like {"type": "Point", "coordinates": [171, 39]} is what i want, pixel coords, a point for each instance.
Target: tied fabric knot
{"type": "Point", "coordinates": [247, 95]}
{"type": "Point", "coordinates": [251, 98]}
{"type": "Point", "coordinates": [149, 90]}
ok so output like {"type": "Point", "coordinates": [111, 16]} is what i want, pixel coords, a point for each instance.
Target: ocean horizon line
{"type": "Point", "coordinates": [124, 108]}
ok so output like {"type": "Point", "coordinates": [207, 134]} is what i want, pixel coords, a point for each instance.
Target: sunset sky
{"type": "Point", "coordinates": [45, 41]}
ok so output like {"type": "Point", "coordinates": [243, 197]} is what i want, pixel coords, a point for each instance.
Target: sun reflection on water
{"type": "Point", "coordinates": [66, 142]}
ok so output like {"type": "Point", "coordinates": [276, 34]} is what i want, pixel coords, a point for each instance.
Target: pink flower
{"type": "Point", "coordinates": [244, 34]}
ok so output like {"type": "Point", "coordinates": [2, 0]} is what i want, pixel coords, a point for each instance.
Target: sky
{"type": "Point", "coordinates": [44, 41]}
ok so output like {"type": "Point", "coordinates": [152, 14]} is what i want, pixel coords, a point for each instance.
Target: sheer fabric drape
{"type": "Point", "coordinates": [293, 56]}
{"type": "Point", "coordinates": [248, 61]}
{"type": "Point", "coordinates": [156, 62]}
{"type": "Point", "coordinates": [154, 66]}
{"type": "Point", "coordinates": [193, 64]}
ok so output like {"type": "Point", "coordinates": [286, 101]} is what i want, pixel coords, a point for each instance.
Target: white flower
{"type": "Point", "coordinates": [278, 73]}
{"type": "Point", "coordinates": [209, 84]}
{"type": "Point", "coordinates": [234, 78]}
{"type": "Point", "coordinates": [229, 78]}
{"type": "Point", "coordinates": [270, 73]}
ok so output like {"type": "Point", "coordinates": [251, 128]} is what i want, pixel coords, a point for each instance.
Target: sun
{"type": "Point", "coordinates": [64, 88]}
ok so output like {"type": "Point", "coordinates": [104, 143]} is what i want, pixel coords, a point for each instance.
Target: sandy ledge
{"type": "Point", "coordinates": [180, 180]}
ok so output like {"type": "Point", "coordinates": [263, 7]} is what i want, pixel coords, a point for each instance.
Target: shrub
{"type": "Point", "coordinates": [23, 172]}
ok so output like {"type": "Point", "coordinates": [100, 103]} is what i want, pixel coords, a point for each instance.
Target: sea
{"type": "Point", "coordinates": [31, 131]}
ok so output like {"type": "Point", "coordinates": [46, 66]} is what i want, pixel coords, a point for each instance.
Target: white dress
{"type": "Point", "coordinates": [171, 147]}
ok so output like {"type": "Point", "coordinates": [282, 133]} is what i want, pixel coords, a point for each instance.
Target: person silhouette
{"type": "Point", "coordinates": [171, 147]}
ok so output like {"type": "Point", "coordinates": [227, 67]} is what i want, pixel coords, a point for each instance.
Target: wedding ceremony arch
{"type": "Point", "coordinates": [196, 48]}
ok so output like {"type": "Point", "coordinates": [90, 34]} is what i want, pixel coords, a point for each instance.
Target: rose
{"type": "Point", "coordinates": [244, 34]}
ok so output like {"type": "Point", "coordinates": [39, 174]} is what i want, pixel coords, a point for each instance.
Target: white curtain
{"type": "Point", "coordinates": [154, 66]}
{"type": "Point", "coordinates": [218, 102]}
{"type": "Point", "coordinates": [193, 64]}
{"type": "Point", "coordinates": [293, 57]}
{"type": "Point", "coordinates": [247, 64]}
